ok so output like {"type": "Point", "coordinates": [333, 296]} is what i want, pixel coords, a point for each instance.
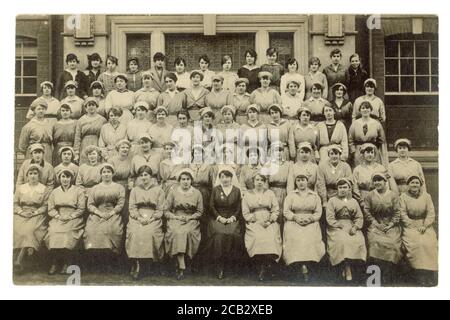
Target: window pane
{"type": "Point", "coordinates": [391, 49]}
{"type": "Point", "coordinates": [407, 49]}
{"type": "Point", "coordinates": [422, 66]}
{"type": "Point", "coordinates": [18, 68]}
{"type": "Point", "coordinates": [435, 67]}
{"type": "Point", "coordinates": [407, 84]}
{"type": "Point", "coordinates": [435, 84]}
{"type": "Point", "coordinates": [422, 49]}
{"type": "Point", "coordinates": [18, 86]}
{"type": "Point", "coordinates": [392, 84]}
{"type": "Point", "coordinates": [423, 84]}
{"type": "Point", "coordinates": [138, 46]}
{"type": "Point", "coordinates": [434, 49]}
{"type": "Point", "coordinates": [29, 85]}
{"type": "Point", "coordinates": [407, 67]}
{"type": "Point", "coordinates": [392, 66]}
{"type": "Point", "coordinates": [284, 42]}
{"type": "Point", "coordinates": [30, 68]}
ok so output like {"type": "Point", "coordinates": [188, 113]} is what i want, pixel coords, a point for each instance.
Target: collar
{"type": "Point", "coordinates": [283, 121]}
{"type": "Point", "coordinates": [298, 126]}
{"type": "Point", "coordinates": [259, 123]}
{"type": "Point", "coordinates": [42, 163]}
{"type": "Point", "coordinates": [246, 94]}
{"type": "Point", "coordinates": [169, 92]}
{"type": "Point", "coordinates": [189, 192]}
{"type": "Point", "coordinates": [398, 160]}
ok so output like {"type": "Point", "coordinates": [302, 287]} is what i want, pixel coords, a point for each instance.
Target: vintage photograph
{"type": "Point", "coordinates": [226, 150]}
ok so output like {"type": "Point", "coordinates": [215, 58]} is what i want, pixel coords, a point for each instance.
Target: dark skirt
{"type": "Point", "coordinates": [224, 242]}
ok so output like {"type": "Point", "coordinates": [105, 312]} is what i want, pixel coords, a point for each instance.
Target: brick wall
{"type": "Point", "coordinates": [138, 46]}
{"type": "Point", "coordinates": [192, 46]}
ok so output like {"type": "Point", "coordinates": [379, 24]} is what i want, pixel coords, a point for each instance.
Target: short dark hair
{"type": "Point", "coordinates": [291, 61]}
{"type": "Point", "coordinates": [226, 173]}
{"type": "Point", "coordinates": [271, 51]}
{"type": "Point", "coordinates": [335, 52]}
{"type": "Point", "coordinates": [159, 56]}
{"type": "Point", "coordinates": [225, 58]}
{"type": "Point", "coordinates": [71, 57]}
{"type": "Point", "coordinates": [354, 56]}
{"type": "Point", "coordinates": [112, 59]}
{"type": "Point", "coordinates": [93, 57]}
{"type": "Point", "coordinates": [252, 53]}
{"type": "Point", "coordinates": [335, 88]}
{"type": "Point", "coordinates": [313, 60]}
{"type": "Point", "coordinates": [145, 169]}
{"type": "Point", "coordinates": [179, 60]}
{"type": "Point", "coordinates": [116, 111]}
{"type": "Point", "coordinates": [205, 58]}
{"type": "Point", "coordinates": [366, 104]}
{"type": "Point", "coordinates": [260, 175]}
{"type": "Point", "coordinates": [172, 76]}
{"type": "Point", "coordinates": [184, 112]}
{"type": "Point", "coordinates": [135, 59]}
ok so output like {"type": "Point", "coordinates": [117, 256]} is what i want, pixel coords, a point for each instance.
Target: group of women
{"type": "Point", "coordinates": [225, 167]}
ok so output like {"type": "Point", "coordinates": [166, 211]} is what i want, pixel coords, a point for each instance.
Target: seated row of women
{"type": "Point", "coordinates": [166, 219]}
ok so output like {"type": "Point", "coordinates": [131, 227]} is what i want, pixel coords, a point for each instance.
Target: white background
{"type": "Point", "coordinates": [7, 57]}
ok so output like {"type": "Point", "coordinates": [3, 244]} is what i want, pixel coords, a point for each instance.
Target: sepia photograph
{"type": "Point", "coordinates": [236, 150]}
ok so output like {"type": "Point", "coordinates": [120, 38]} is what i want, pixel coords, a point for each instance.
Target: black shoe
{"type": "Point", "coordinates": [262, 274]}
{"type": "Point", "coordinates": [180, 275]}
{"type": "Point", "coordinates": [137, 272]}
{"type": "Point", "coordinates": [53, 270]}
{"type": "Point", "coordinates": [64, 268]}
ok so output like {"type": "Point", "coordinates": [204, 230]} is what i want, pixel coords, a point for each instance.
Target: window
{"type": "Point", "coordinates": [138, 46]}
{"type": "Point", "coordinates": [192, 46]}
{"type": "Point", "coordinates": [412, 65]}
{"type": "Point", "coordinates": [284, 43]}
{"type": "Point", "coordinates": [26, 67]}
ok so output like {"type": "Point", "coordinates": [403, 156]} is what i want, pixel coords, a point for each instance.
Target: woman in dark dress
{"type": "Point", "coordinates": [224, 233]}
{"type": "Point", "coordinates": [250, 71]}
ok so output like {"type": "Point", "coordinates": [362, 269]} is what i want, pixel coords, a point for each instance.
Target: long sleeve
{"type": "Point", "coordinates": [321, 186]}
{"type": "Point", "coordinates": [77, 141]}
{"type": "Point", "coordinates": [92, 208]}
{"type": "Point", "coordinates": [21, 176]}
{"type": "Point", "coordinates": [291, 142]}
{"type": "Point", "coordinates": [404, 213]}
{"type": "Point", "coordinates": [242, 182]}
{"type": "Point", "coordinates": [359, 218]}
{"type": "Point", "coordinates": [291, 180]}
{"type": "Point", "coordinates": [331, 216]}
{"type": "Point", "coordinates": [351, 139]}
{"type": "Point", "coordinates": [44, 207]}
{"type": "Point", "coordinates": [275, 208]}
{"type": "Point", "coordinates": [248, 216]}
{"type": "Point", "coordinates": [134, 213]}
{"type": "Point", "coordinates": [431, 213]}
{"type": "Point", "coordinates": [382, 112]}
{"type": "Point", "coordinates": [277, 98]}
{"type": "Point", "coordinates": [81, 203]}
{"type": "Point", "coordinates": [79, 180]}
{"type": "Point", "coordinates": [120, 201]}
{"type": "Point", "coordinates": [52, 212]}
{"type": "Point", "coordinates": [238, 208]}
{"type": "Point", "coordinates": [287, 212]}
{"type": "Point", "coordinates": [24, 139]}
{"type": "Point", "coordinates": [199, 212]}
{"type": "Point", "coordinates": [17, 206]}
{"type": "Point", "coordinates": [397, 211]}
{"type": "Point", "coordinates": [168, 205]}
{"type": "Point", "coordinates": [344, 144]}
{"type": "Point", "coordinates": [368, 211]}
{"type": "Point", "coordinates": [212, 203]}
{"type": "Point", "coordinates": [159, 211]}
{"type": "Point", "coordinates": [108, 102]}
{"type": "Point", "coordinates": [302, 90]}
{"type": "Point", "coordinates": [50, 183]}
{"type": "Point", "coordinates": [325, 87]}
{"type": "Point", "coordinates": [318, 211]}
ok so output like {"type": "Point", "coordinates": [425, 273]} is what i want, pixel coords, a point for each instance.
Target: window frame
{"type": "Point", "coordinates": [414, 58]}
{"type": "Point", "coordinates": [22, 58]}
